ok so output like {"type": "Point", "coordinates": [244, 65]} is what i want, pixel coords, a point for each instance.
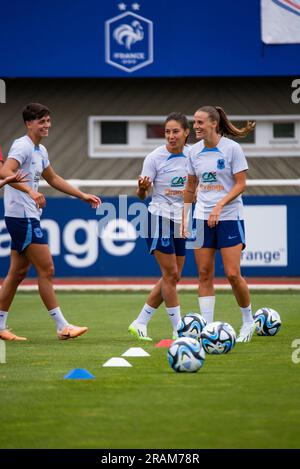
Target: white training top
{"type": "Point", "coordinates": [215, 169]}
{"type": "Point", "coordinates": [33, 160]}
{"type": "Point", "coordinates": [168, 172]}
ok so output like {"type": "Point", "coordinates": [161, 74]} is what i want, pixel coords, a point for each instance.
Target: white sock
{"type": "Point", "coordinates": [58, 317]}
{"type": "Point", "coordinates": [3, 318]}
{"type": "Point", "coordinates": [247, 314]}
{"type": "Point", "coordinates": [207, 307]}
{"type": "Point", "coordinates": [174, 315]}
{"type": "Point", "coordinates": [145, 314]}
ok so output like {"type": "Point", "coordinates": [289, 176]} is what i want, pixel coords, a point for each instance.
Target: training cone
{"type": "Point", "coordinates": [79, 373]}
{"type": "Point", "coordinates": [164, 343]}
{"type": "Point", "coordinates": [135, 352]}
{"type": "Point", "coordinates": [116, 361]}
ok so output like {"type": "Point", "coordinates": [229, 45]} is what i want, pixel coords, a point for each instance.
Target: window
{"type": "Point", "coordinates": [284, 130]}
{"type": "Point", "coordinates": [156, 131]}
{"type": "Point", "coordinates": [136, 136]}
{"type": "Point", "coordinates": [113, 133]}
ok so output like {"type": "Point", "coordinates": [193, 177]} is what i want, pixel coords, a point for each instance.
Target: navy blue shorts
{"type": "Point", "coordinates": [23, 232]}
{"type": "Point", "coordinates": [164, 235]}
{"type": "Point", "coordinates": [225, 234]}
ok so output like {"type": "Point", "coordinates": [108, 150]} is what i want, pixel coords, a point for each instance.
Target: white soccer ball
{"type": "Point", "coordinates": [218, 337]}
{"type": "Point", "coordinates": [186, 354]}
{"type": "Point", "coordinates": [267, 321]}
{"type": "Point", "coordinates": [191, 325]}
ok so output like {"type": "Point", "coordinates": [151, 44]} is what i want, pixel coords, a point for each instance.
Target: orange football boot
{"type": "Point", "coordinates": [5, 334]}
{"type": "Point", "coordinates": [71, 332]}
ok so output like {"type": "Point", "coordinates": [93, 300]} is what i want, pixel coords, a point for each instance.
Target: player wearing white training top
{"type": "Point", "coordinates": [18, 177]}
{"type": "Point", "coordinates": [166, 169]}
{"type": "Point", "coordinates": [23, 204]}
{"type": "Point", "coordinates": [217, 166]}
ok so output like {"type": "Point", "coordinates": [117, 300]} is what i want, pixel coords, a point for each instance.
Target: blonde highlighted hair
{"type": "Point", "coordinates": [225, 127]}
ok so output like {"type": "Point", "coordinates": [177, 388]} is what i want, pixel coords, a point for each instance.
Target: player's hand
{"type": "Point", "coordinates": [214, 216]}
{"type": "Point", "coordinates": [184, 233]}
{"type": "Point", "coordinates": [39, 198]}
{"type": "Point", "coordinates": [91, 199]}
{"type": "Point", "coordinates": [20, 176]}
{"type": "Point", "coordinates": [144, 183]}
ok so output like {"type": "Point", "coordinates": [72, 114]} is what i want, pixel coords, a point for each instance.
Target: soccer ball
{"type": "Point", "coordinates": [218, 337]}
{"type": "Point", "coordinates": [186, 354]}
{"type": "Point", "coordinates": [267, 321]}
{"type": "Point", "coordinates": [191, 325]}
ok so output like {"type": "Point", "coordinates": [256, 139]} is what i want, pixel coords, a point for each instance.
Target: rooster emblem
{"type": "Point", "coordinates": [127, 35]}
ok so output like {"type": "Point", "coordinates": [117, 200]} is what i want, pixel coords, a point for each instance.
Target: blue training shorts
{"type": "Point", "coordinates": [225, 234]}
{"type": "Point", "coordinates": [163, 235]}
{"type": "Point", "coordinates": [23, 232]}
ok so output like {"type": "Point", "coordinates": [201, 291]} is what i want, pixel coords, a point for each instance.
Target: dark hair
{"type": "Point", "coordinates": [35, 111]}
{"type": "Point", "coordinates": [178, 117]}
{"type": "Point", "coordinates": [225, 127]}
{"type": "Point", "coordinates": [181, 119]}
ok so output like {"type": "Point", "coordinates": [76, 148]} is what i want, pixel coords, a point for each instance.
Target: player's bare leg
{"type": "Point", "coordinates": [231, 257]}
{"type": "Point", "coordinates": [40, 257]}
{"type": "Point", "coordinates": [18, 269]}
{"type": "Point", "coordinates": [205, 261]}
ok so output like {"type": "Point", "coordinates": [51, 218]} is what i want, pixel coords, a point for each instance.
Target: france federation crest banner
{"type": "Point", "coordinates": [280, 21]}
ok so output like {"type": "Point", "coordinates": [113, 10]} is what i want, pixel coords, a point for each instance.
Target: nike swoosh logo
{"type": "Point", "coordinates": [232, 237]}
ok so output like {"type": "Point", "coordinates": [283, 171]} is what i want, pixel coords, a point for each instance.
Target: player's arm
{"type": "Point", "coordinates": [10, 170]}
{"type": "Point", "coordinates": [19, 176]}
{"type": "Point", "coordinates": [190, 189]}
{"type": "Point", "coordinates": [237, 189]}
{"type": "Point", "coordinates": [144, 185]}
{"type": "Point", "coordinates": [62, 185]}
{"type": "Point", "coordinates": [189, 198]}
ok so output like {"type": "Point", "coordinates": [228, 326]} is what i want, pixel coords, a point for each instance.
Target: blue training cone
{"type": "Point", "coordinates": [79, 373]}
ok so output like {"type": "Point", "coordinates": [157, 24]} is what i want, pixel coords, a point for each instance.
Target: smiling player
{"type": "Point", "coordinates": [217, 166]}
{"type": "Point", "coordinates": [23, 204]}
{"type": "Point", "coordinates": [166, 169]}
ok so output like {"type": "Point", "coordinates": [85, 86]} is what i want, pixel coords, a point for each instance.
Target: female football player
{"type": "Point", "coordinates": [217, 169]}
{"type": "Point", "coordinates": [23, 204]}
{"type": "Point", "coordinates": [165, 169]}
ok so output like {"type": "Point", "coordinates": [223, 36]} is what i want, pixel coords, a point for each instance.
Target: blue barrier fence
{"type": "Point", "coordinates": [272, 235]}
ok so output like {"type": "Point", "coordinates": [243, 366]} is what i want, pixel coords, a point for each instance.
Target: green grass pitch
{"type": "Point", "coordinates": [249, 398]}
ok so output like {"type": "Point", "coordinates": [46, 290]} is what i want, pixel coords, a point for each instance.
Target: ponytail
{"type": "Point", "coordinates": [225, 127]}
